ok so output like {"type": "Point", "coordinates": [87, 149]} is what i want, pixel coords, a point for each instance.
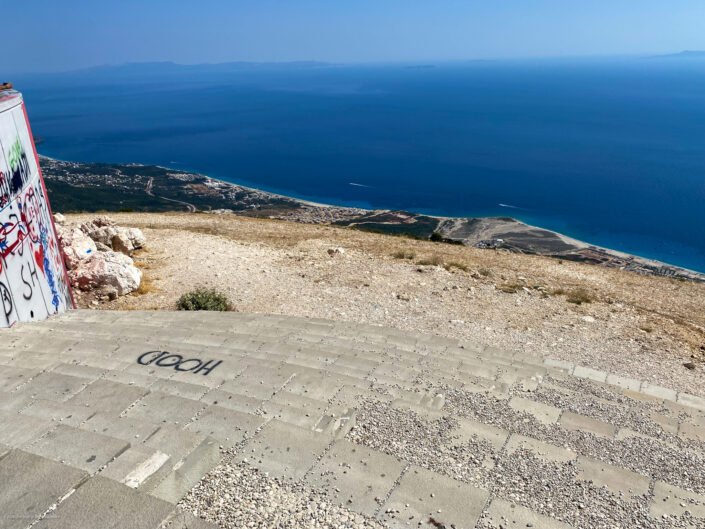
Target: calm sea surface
{"type": "Point", "coordinates": [611, 152]}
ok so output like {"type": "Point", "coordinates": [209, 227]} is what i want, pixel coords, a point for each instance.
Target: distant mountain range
{"type": "Point", "coordinates": [687, 54]}
{"type": "Point", "coordinates": [167, 68]}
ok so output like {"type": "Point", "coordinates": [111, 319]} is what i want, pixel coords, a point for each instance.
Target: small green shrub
{"type": "Point", "coordinates": [438, 237]}
{"type": "Point", "coordinates": [204, 299]}
{"type": "Point", "coordinates": [485, 272]}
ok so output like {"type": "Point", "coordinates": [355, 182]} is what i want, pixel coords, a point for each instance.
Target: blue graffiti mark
{"type": "Point", "coordinates": [55, 297]}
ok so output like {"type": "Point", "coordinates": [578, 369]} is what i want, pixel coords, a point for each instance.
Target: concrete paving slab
{"type": "Point", "coordinates": [77, 370]}
{"type": "Point", "coordinates": [28, 359]}
{"type": "Point", "coordinates": [229, 427]}
{"type": "Point", "coordinates": [30, 485]}
{"type": "Point", "coordinates": [79, 448]}
{"type": "Point", "coordinates": [283, 450]}
{"type": "Point", "coordinates": [355, 476]}
{"type": "Point", "coordinates": [177, 483]}
{"type": "Point", "coordinates": [469, 429]}
{"type": "Point", "coordinates": [131, 430]}
{"type": "Point", "coordinates": [361, 365]}
{"type": "Point", "coordinates": [543, 413]}
{"type": "Point", "coordinates": [129, 378]}
{"type": "Point", "coordinates": [161, 407]}
{"type": "Point", "coordinates": [639, 396]}
{"type": "Point", "coordinates": [692, 432]}
{"type": "Point", "coordinates": [107, 396]}
{"type": "Point", "coordinates": [692, 401]}
{"type": "Point", "coordinates": [232, 401]}
{"type": "Point", "coordinates": [508, 515]}
{"type": "Point", "coordinates": [183, 520]}
{"type": "Point", "coordinates": [62, 412]}
{"type": "Point", "coordinates": [12, 377]}
{"type": "Point", "coordinates": [669, 500]}
{"type": "Point", "coordinates": [539, 449]}
{"type": "Point", "coordinates": [54, 386]}
{"type": "Point", "coordinates": [580, 423]}
{"type": "Point", "coordinates": [14, 402]}
{"type": "Point", "coordinates": [135, 465]}
{"type": "Point", "coordinates": [213, 380]}
{"type": "Point", "coordinates": [179, 388]}
{"type": "Point", "coordinates": [631, 384]}
{"type": "Point", "coordinates": [669, 424]}
{"type": "Point", "coordinates": [294, 409]}
{"type": "Point", "coordinates": [426, 499]}
{"type": "Point", "coordinates": [658, 391]}
{"type": "Point", "coordinates": [618, 480]}
{"type": "Point", "coordinates": [106, 504]}
{"type": "Point", "coordinates": [174, 442]}
{"type": "Point", "coordinates": [589, 373]}
{"type": "Point", "coordinates": [262, 386]}
{"type": "Point", "coordinates": [395, 371]}
{"type": "Point", "coordinates": [18, 431]}
{"type": "Point", "coordinates": [336, 423]}
{"type": "Point", "coordinates": [319, 385]}
{"type": "Point", "coordinates": [560, 364]}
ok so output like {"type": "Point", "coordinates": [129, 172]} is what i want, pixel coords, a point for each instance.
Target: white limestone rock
{"type": "Point", "coordinates": [103, 230]}
{"type": "Point", "coordinates": [77, 246]}
{"type": "Point", "coordinates": [107, 270]}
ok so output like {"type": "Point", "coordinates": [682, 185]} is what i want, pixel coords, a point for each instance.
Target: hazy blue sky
{"type": "Point", "coordinates": [41, 35]}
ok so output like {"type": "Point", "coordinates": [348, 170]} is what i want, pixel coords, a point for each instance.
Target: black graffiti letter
{"type": "Point", "coordinates": [27, 294]}
{"type": "Point", "coordinates": [6, 299]}
{"type": "Point", "coordinates": [207, 367]}
{"type": "Point", "coordinates": [161, 363]}
{"type": "Point", "coordinates": [158, 354]}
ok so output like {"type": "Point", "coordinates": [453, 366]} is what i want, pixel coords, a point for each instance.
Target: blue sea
{"type": "Point", "coordinates": [610, 151]}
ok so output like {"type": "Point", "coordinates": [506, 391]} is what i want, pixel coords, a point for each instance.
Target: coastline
{"type": "Point", "coordinates": [138, 187]}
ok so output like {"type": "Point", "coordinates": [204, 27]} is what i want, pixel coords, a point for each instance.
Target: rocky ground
{"type": "Point", "coordinates": [643, 327]}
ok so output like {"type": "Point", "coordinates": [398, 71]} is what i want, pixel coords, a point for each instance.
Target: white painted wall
{"type": "Point", "coordinates": [33, 282]}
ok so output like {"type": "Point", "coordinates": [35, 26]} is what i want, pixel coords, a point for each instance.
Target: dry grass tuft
{"type": "Point", "coordinates": [579, 296]}
{"type": "Point", "coordinates": [455, 264]}
{"type": "Point", "coordinates": [147, 286]}
{"type": "Point", "coordinates": [404, 254]}
{"type": "Point", "coordinates": [433, 260]}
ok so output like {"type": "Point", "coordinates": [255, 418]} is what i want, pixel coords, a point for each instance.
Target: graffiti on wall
{"type": "Point", "coordinates": [32, 274]}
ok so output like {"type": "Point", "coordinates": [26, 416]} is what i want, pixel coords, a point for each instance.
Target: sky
{"type": "Point", "coordinates": [57, 35]}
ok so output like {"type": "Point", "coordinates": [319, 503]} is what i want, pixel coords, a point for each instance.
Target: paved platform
{"type": "Point", "coordinates": [156, 419]}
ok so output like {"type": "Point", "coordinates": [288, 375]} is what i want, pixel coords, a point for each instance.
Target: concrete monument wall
{"type": "Point", "coordinates": [33, 281]}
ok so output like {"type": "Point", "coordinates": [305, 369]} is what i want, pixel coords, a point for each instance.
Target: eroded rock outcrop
{"type": "Point", "coordinates": [104, 230]}
{"type": "Point", "coordinates": [97, 255]}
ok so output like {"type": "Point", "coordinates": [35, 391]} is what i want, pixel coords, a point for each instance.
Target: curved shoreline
{"type": "Point", "coordinates": [128, 183]}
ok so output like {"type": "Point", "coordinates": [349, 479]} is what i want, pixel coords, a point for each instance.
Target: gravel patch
{"type": "Point", "coordinates": [552, 489]}
{"type": "Point", "coordinates": [670, 463]}
{"type": "Point", "coordinates": [629, 413]}
{"type": "Point", "coordinates": [549, 488]}
{"type": "Point", "coordinates": [236, 495]}
{"type": "Point", "coordinates": [409, 437]}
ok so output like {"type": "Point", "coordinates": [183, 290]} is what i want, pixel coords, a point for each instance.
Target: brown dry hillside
{"type": "Point", "coordinates": [644, 327]}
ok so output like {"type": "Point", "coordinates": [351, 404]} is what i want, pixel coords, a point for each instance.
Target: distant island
{"type": "Point", "coordinates": [94, 187]}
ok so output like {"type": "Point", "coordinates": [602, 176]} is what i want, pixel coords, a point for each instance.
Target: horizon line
{"type": "Point", "coordinates": [381, 62]}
